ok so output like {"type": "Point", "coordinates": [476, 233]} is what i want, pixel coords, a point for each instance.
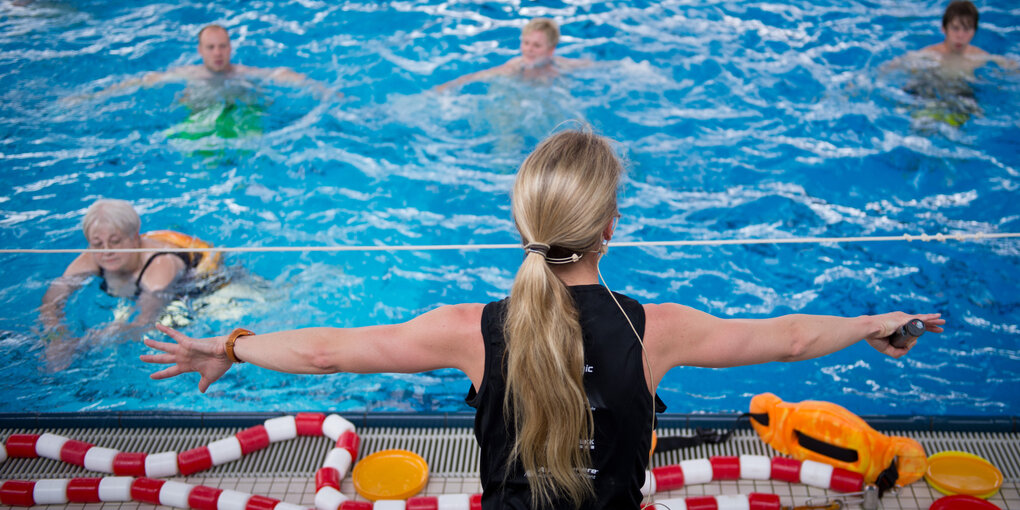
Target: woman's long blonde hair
{"type": "Point", "coordinates": [564, 197]}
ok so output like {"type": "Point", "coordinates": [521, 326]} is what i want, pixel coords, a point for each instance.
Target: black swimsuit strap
{"type": "Point", "coordinates": [138, 281]}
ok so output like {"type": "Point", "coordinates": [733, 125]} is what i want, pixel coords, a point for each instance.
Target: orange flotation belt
{"type": "Point", "coordinates": [826, 432]}
{"type": "Point", "coordinates": [209, 260]}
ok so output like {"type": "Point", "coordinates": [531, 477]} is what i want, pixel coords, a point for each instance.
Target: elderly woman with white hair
{"type": "Point", "coordinates": [143, 275]}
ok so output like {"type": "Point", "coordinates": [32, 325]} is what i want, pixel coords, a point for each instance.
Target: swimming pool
{"type": "Point", "coordinates": [739, 120]}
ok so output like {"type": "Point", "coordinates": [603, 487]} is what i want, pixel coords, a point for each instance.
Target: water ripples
{"type": "Point", "coordinates": [737, 120]}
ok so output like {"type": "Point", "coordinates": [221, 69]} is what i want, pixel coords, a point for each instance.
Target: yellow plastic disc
{"type": "Point", "coordinates": [953, 472]}
{"type": "Point", "coordinates": [390, 474]}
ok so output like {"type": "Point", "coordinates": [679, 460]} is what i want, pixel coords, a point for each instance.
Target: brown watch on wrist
{"type": "Point", "coordinates": [234, 335]}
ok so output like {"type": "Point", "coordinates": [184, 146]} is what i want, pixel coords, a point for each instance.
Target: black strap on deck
{"type": "Point", "coordinates": [701, 436]}
{"type": "Point", "coordinates": [887, 479]}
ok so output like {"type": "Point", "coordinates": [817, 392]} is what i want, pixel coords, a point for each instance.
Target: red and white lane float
{"type": "Point", "coordinates": [137, 475]}
{"type": "Point", "coordinates": [751, 467]}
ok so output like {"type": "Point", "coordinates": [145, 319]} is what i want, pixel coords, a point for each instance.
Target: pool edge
{"type": "Point", "coordinates": [188, 419]}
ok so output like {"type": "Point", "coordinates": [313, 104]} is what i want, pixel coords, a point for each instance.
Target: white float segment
{"type": "Point", "coordinates": [671, 504]}
{"type": "Point", "coordinates": [453, 502]}
{"type": "Point", "coordinates": [755, 467]}
{"type": "Point", "coordinates": [289, 506]}
{"type": "Point", "coordinates": [50, 492]}
{"type": "Point", "coordinates": [49, 445]}
{"type": "Point", "coordinates": [732, 502]}
{"type": "Point", "coordinates": [232, 500]}
{"type": "Point", "coordinates": [388, 504]}
{"type": "Point", "coordinates": [115, 488]}
{"type": "Point", "coordinates": [340, 460]}
{"type": "Point", "coordinates": [3, 452]}
{"type": "Point", "coordinates": [175, 494]}
{"type": "Point", "coordinates": [326, 498]}
{"type": "Point", "coordinates": [225, 450]}
{"type": "Point", "coordinates": [335, 425]}
{"type": "Point", "coordinates": [649, 486]}
{"type": "Point", "coordinates": [161, 465]}
{"type": "Point", "coordinates": [100, 459]}
{"type": "Point", "coordinates": [816, 474]}
{"type": "Point", "coordinates": [281, 429]}
{"type": "Point", "coordinates": [696, 471]}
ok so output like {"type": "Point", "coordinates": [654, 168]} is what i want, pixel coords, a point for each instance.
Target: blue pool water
{"type": "Point", "coordinates": [738, 120]}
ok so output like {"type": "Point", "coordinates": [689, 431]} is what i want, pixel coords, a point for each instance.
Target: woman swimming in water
{"type": "Point", "coordinates": [144, 276]}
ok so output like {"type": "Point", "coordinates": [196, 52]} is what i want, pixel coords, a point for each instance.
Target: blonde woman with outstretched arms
{"type": "Point", "coordinates": [554, 368]}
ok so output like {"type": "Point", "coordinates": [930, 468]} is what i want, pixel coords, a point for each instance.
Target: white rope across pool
{"type": "Point", "coordinates": [978, 236]}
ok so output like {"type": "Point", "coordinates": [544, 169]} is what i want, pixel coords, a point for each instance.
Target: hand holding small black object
{"type": "Point", "coordinates": [912, 329]}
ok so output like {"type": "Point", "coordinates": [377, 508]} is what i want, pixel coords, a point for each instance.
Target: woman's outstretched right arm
{"type": "Point", "coordinates": [447, 337]}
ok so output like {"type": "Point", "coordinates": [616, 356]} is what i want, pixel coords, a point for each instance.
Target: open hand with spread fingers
{"type": "Point", "coordinates": [206, 356]}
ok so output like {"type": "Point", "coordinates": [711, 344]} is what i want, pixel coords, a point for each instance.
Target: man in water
{"type": "Point", "coordinates": [221, 96]}
{"type": "Point", "coordinates": [941, 74]}
{"type": "Point", "coordinates": [214, 47]}
{"type": "Point", "coordinates": [955, 55]}
{"type": "Point", "coordinates": [538, 42]}
{"type": "Point", "coordinates": [216, 69]}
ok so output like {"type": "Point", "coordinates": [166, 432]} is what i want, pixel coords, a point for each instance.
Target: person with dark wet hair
{"type": "Point", "coordinates": [955, 53]}
{"type": "Point", "coordinates": [941, 75]}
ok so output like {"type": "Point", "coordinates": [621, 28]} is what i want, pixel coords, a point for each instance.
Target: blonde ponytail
{"type": "Point", "coordinates": [564, 196]}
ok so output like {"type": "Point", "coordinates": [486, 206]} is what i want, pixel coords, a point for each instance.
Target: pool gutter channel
{"type": "Point", "coordinates": [450, 452]}
{"type": "Point", "coordinates": [185, 419]}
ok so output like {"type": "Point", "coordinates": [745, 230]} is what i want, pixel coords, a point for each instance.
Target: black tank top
{"type": "Point", "coordinates": [615, 383]}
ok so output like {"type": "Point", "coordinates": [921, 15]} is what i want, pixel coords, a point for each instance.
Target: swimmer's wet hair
{"type": "Point", "coordinates": [963, 10]}
{"type": "Point", "coordinates": [547, 26]}
{"type": "Point", "coordinates": [117, 213]}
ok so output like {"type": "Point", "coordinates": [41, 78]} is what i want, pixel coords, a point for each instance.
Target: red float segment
{"type": "Point", "coordinates": [253, 439]}
{"type": "Point", "coordinates": [476, 502]}
{"type": "Point", "coordinates": [327, 477]}
{"type": "Point", "coordinates": [83, 490]}
{"type": "Point", "coordinates": [257, 502]}
{"type": "Point", "coordinates": [846, 481]}
{"type": "Point", "coordinates": [702, 503]}
{"type": "Point", "coordinates": [355, 505]}
{"type": "Point", "coordinates": [668, 478]}
{"type": "Point", "coordinates": [204, 498]}
{"type": "Point", "coordinates": [786, 469]}
{"type": "Point", "coordinates": [422, 503]}
{"type": "Point", "coordinates": [725, 468]}
{"type": "Point", "coordinates": [18, 492]}
{"type": "Point", "coordinates": [22, 446]}
{"type": "Point", "coordinates": [129, 464]}
{"type": "Point", "coordinates": [146, 490]}
{"type": "Point", "coordinates": [194, 460]}
{"type": "Point", "coordinates": [309, 424]}
{"type": "Point", "coordinates": [761, 501]}
{"type": "Point", "coordinates": [73, 452]}
{"type": "Point", "coordinates": [349, 441]}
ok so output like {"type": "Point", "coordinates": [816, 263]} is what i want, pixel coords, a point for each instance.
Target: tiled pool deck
{"type": "Point", "coordinates": [286, 470]}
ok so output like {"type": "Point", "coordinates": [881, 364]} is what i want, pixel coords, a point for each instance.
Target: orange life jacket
{"type": "Point", "coordinates": [210, 260]}
{"type": "Point", "coordinates": [828, 433]}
